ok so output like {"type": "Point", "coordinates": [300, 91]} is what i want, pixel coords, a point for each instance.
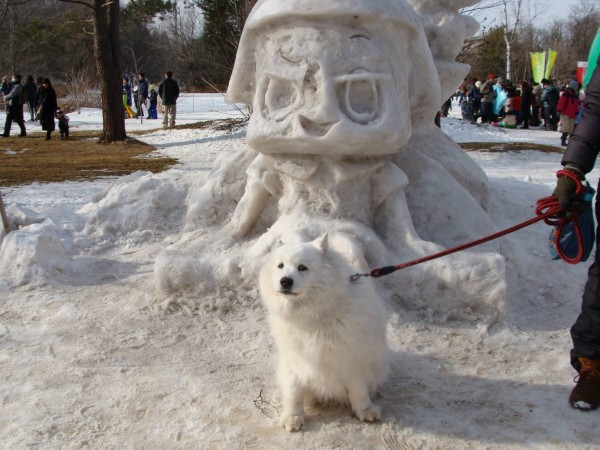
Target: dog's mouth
{"type": "Point", "coordinates": [287, 292]}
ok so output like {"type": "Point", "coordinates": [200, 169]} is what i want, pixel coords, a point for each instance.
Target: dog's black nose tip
{"type": "Point", "coordinates": [286, 282]}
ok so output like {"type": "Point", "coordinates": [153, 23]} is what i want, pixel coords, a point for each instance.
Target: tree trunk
{"type": "Point", "coordinates": [508, 62]}
{"type": "Point", "coordinates": [107, 50]}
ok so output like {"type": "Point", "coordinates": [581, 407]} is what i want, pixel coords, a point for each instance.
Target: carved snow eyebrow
{"type": "Point", "coordinates": [357, 36]}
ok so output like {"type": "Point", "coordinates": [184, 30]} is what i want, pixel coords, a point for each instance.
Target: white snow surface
{"type": "Point", "coordinates": [91, 356]}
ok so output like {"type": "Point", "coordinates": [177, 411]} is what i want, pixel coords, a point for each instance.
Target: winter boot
{"type": "Point", "coordinates": [563, 139]}
{"type": "Point", "coordinates": [586, 394]}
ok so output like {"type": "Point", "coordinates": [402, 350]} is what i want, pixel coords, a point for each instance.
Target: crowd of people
{"type": "Point", "coordinates": [40, 98]}
{"type": "Point", "coordinates": [529, 104]}
{"type": "Point", "coordinates": [145, 95]}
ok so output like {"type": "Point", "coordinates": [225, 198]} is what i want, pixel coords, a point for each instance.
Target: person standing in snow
{"type": "Point", "coordinates": [550, 96]}
{"type": "Point", "coordinates": [488, 95]}
{"type": "Point", "coordinates": [48, 107]}
{"type": "Point", "coordinates": [129, 114]}
{"type": "Point", "coordinates": [537, 111]}
{"type": "Point", "coordinates": [63, 123]}
{"type": "Point", "coordinates": [568, 108]}
{"type": "Point", "coordinates": [169, 93]}
{"type": "Point", "coordinates": [142, 93]}
{"type": "Point", "coordinates": [579, 159]}
{"type": "Point", "coordinates": [152, 113]}
{"type": "Point", "coordinates": [14, 107]}
{"type": "Point", "coordinates": [526, 100]}
{"type": "Point", "coordinates": [31, 89]}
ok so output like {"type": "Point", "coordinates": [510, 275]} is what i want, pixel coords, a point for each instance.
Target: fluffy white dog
{"type": "Point", "coordinates": [330, 332]}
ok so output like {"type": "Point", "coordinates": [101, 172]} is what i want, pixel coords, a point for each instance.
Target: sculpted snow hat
{"type": "Point", "coordinates": [394, 19]}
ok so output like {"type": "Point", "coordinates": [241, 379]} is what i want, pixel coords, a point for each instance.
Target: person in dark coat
{"type": "Point", "coordinates": [31, 89]}
{"type": "Point", "coordinates": [579, 159]}
{"type": "Point", "coordinates": [526, 100]}
{"type": "Point", "coordinates": [169, 93]}
{"type": "Point", "coordinates": [38, 94]}
{"type": "Point", "coordinates": [550, 96]}
{"type": "Point", "coordinates": [14, 107]}
{"type": "Point", "coordinates": [142, 93]}
{"type": "Point", "coordinates": [48, 107]}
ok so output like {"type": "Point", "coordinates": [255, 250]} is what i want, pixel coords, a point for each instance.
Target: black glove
{"type": "Point", "coordinates": [565, 191]}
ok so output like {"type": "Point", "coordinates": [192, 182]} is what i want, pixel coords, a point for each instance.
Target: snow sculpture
{"type": "Point", "coordinates": [342, 140]}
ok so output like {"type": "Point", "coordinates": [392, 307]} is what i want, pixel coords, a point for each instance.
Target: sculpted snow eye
{"type": "Point", "coordinates": [360, 95]}
{"type": "Point", "coordinates": [280, 98]}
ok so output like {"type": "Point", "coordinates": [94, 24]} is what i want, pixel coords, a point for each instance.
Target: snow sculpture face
{"type": "Point", "coordinates": [331, 89]}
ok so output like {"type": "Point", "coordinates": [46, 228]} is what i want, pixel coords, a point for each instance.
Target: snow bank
{"type": "Point", "coordinates": [140, 206]}
{"type": "Point", "coordinates": [32, 255]}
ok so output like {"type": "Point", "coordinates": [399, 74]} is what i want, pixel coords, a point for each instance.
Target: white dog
{"type": "Point", "coordinates": [330, 332]}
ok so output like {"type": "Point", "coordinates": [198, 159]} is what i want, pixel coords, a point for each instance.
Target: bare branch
{"type": "Point", "coordinates": [78, 2]}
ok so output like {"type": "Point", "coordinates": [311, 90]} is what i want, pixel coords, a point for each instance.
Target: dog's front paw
{"type": "Point", "coordinates": [292, 423]}
{"type": "Point", "coordinates": [370, 414]}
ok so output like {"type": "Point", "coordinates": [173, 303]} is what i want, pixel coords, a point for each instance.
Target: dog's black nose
{"type": "Point", "coordinates": [286, 282]}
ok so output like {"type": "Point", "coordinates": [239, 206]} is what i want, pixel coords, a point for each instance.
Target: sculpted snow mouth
{"type": "Point", "coordinates": [315, 128]}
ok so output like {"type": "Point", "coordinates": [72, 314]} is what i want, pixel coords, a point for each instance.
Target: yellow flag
{"type": "Point", "coordinates": [551, 59]}
{"type": "Point", "coordinates": [538, 61]}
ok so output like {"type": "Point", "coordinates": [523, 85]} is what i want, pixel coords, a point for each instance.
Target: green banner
{"type": "Point", "coordinates": [538, 61]}
{"type": "Point", "coordinates": [551, 60]}
{"type": "Point", "coordinates": [593, 58]}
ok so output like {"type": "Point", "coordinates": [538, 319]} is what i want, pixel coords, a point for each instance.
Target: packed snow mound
{"type": "Point", "coordinates": [32, 255]}
{"type": "Point", "coordinates": [138, 207]}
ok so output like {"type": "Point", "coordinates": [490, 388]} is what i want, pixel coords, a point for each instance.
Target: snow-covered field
{"type": "Point", "coordinates": [92, 357]}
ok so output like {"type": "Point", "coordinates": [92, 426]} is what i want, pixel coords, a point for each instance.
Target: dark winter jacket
{"type": "Point", "coordinates": [550, 96]}
{"type": "Point", "coordinates": [169, 91]}
{"type": "Point", "coordinates": [48, 107]}
{"type": "Point", "coordinates": [526, 99]}
{"type": "Point", "coordinates": [143, 89]}
{"type": "Point", "coordinates": [13, 98]}
{"type": "Point", "coordinates": [31, 89]}
{"type": "Point", "coordinates": [488, 94]}
{"type": "Point", "coordinates": [584, 143]}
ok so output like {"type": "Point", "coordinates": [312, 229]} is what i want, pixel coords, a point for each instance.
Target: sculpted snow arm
{"type": "Point", "coordinates": [261, 185]}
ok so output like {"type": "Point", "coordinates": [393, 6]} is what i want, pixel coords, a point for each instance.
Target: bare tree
{"type": "Point", "coordinates": [78, 84]}
{"type": "Point", "coordinates": [516, 14]}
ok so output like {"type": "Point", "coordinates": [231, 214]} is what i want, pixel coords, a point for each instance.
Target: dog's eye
{"type": "Point", "coordinates": [302, 268]}
{"type": "Point", "coordinates": [280, 266]}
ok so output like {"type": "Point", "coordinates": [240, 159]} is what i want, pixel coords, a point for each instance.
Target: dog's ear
{"type": "Point", "coordinates": [321, 243]}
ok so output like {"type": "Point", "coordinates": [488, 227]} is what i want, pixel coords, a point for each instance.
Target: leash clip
{"type": "Point", "coordinates": [356, 276]}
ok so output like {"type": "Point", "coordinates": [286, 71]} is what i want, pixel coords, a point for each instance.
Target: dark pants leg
{"type": "Point", "coordinates": [31, 110]}
{"type": "Point", "coordinates": [19, 120]}
{"type": "Point", "coordinates": [7, 122]}
{"type": "Point", "coordinates": [525, 118]}
{"type": "Point", "coordinates": [486, 112]}
{"type": "Point", "coordinates": [586, 330]}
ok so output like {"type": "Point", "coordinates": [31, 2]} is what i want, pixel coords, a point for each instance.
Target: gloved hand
{"type": "Point", "coordinates": [565, 191]}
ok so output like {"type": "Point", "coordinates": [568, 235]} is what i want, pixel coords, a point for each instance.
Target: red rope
{"type": "Point", "coordinates": [547, 209]}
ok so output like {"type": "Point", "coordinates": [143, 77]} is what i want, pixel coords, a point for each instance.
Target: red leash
{"type": "Point", "coordinates": [547, 209]}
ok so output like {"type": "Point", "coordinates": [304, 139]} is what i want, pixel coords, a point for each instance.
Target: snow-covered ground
{"type": "Point", "coordinates": [92, 357]}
